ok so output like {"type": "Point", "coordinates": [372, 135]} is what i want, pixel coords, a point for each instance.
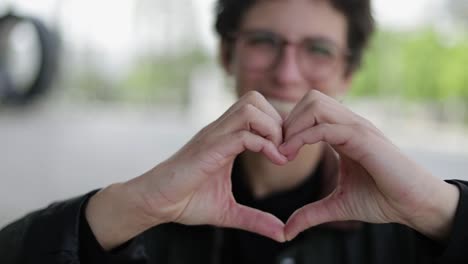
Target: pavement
{"type": "Point", "coordinates": [53, 153]}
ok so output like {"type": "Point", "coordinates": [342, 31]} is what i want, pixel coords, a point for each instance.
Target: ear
{"type": "Point", "coordinates": [225, 55]}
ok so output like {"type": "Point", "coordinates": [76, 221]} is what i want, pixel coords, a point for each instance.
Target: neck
{"type": "Point", "coordinates": [265, 178]}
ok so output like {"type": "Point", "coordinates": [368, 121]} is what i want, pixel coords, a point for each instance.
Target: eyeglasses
{"type": "Point", "coordinates": [262, 50]}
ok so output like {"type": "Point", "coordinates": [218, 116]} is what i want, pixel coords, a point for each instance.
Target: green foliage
{"type": "Point", "coordinates": [421, 56]}
{"type": "Point", "coordinates": [453, 77]}
{"type": "Point", "coordinates": [92, 86]}
{"type": "Point", "coordinates": [161, 78]}
{"type": "Point", "coordinates": [152, 79]}
{"type": "Point", "coordinates": [417, 66]}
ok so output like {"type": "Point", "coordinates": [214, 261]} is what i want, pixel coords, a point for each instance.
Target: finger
{"type": "Point", "coordinates": [258, 100]}
{"type": "Point", "coordinates": [333, 134]}
{"type": "Point", "coordinates": [310, 97]}
{"type": "Point", "coordinates": [250, 118]}
{"type": "Point", "coordinates": [323, 211]}
{"type": "Point", "coordinates": [318, 110]}
{"type": "Point", "coordinates": [256, 221]}
{"type": "Point", "coordinates": [298, 108]}
{"type": "Point", "coordinates": [233, 144]}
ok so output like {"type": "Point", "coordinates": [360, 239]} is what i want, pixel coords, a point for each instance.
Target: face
{"type": "Point", "coordinates": [285, 48]}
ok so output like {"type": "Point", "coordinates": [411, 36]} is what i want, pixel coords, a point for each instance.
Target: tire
{"type": "Point", "coordinates": [48, 49]}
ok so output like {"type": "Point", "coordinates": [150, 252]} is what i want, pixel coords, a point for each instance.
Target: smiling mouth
{"type": "Point", "coordinates": [283, 107]}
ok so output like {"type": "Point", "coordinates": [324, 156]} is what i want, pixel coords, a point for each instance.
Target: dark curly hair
{"type": "Point", "coordinates": [229, 14]}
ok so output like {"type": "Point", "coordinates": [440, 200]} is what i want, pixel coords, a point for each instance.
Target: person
{"type": "Point", "coordinates": [287, 174]}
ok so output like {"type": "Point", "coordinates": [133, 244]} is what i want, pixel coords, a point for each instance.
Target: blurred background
{"type": "Point", "coordinates": [94, 92]}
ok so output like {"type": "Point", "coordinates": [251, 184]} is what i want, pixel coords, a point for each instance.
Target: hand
{"type": "Point", "coordinates": [377, 182]}
{"type": "Point", "coordinates": [193, 187]}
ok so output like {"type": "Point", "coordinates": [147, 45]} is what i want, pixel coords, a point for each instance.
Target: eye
{"type": "Point", "coordinates": [315, 48]}
{"type": "Point", "coordinates": [261, 39]}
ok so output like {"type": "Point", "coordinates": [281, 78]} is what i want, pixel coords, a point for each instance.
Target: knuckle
{"type": "Point", "coordinates": [247, 110]}
{"type": "Point", "coordinates": [360, 119]}
{"type": "Point", "coordinates": [267, 144]}
{"type": "Point", "coordinates": [277, 131]}
{"type": "Point", "coordinates": [314, 106]}
{"type": "Point", "coordinates": [242, 135]}
{"type": "Point", "coordinates": [362, 130]}
{"type": "Point", "coordinates": [313, 94]}
{"type": "Point", "coordinates": [254, 97]}
{"type": "Point", "coordinates": [323, 128]}
{"type": "Point", "coordinates": [369, 124]}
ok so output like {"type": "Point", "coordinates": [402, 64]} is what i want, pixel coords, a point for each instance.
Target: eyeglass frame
{"type": "Point", "coordinates": [341, 54]}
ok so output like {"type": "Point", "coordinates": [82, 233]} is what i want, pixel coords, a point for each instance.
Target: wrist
{"type": "Point", "coordinates": [158, 194]}
{"type": "Point", "coordinates": [115, 215]}
{"type": "Point", "coordinates": [437, 221]}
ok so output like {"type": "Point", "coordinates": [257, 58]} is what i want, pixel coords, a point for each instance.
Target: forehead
{"type": "Point", "coordinates": [296, 19]}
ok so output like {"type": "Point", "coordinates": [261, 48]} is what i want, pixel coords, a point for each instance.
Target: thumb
{"type": "Point", "coordinates": [256, 221]}
{"type": "Point", "coordinates": [323, 211]}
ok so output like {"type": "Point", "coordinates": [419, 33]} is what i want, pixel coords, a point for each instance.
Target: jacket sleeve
{"type": "Point", "coordinates": [91, 251]}
{"type": "Point", "coordinates": [50, 235]}
{"type": "Point", "coordinates": [455, 250]}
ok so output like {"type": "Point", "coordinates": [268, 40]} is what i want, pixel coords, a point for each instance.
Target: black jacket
{"type": "Point", "coordinates": [60, 234]}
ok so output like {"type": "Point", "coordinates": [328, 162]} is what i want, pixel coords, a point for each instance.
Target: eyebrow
{"type": "Point", "coordinates": [319, 38]}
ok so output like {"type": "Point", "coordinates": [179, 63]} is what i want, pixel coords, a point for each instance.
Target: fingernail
{"type": "Point", "coordinates": [282, 160]}
{"type": "Point", "coordinates": [289, 237]}
{"type": "Point", "coordinates": [281, 238]}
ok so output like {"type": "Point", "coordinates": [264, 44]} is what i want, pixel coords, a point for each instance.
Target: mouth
{"type": "Point", "coordinates": [283, 107]}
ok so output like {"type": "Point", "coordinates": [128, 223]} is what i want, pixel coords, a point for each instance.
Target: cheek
{"type": "Point", "coordinates": [240, 77]}
{"type": "Point", "coordinates": [246, 81]}
{"type": "Point", "coordinates": [332, 87]}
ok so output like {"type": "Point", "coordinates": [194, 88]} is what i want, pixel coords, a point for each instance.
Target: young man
{"type": "Point", "coordinates": [284, 163]}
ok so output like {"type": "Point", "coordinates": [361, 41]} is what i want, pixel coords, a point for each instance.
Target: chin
{"type": "Point", "coordinates": [282, 106]}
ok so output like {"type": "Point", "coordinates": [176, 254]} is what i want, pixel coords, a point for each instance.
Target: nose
{"type": "Point", "coordinates": [287, 70]}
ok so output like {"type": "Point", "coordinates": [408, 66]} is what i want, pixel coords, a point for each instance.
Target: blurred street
{"type": "Point", "coordinates": [53, 153]}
